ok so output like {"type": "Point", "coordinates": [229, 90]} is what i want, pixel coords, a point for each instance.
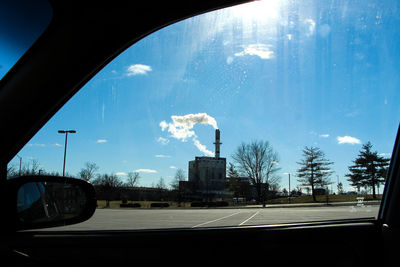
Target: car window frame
{"type": "Point", "coordinates": [387, 208]}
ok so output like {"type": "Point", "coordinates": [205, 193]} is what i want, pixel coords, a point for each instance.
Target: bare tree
{"type": "Point", "coordinates": [161, 184]}
{"type": "Point", "coordinates": [11, 171]}
{"type": "Point", "coordinates": [89, 171]}
{"type": "Point", "coordinates": [108, 186]}
{"type": "Point", "coordinates": [31, 169]}
{"type": "Point", "coordinates": [133, 179]}
{"type": "Point", "coordinates": [179, 176]}
{"type": "Point", "coordinates": [258, 161]}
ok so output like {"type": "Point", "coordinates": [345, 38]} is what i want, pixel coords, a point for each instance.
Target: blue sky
{"type": "Point", "coordinates": [300, 74]}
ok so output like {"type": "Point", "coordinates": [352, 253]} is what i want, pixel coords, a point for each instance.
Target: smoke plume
{"type": "Point", "coordinates": [181, 128]}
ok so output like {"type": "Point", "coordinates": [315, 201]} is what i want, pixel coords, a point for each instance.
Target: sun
{"type": "Point", "coordinates": [267, 10]}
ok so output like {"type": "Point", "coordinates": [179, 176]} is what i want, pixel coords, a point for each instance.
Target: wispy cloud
{"type": "Point", "coordinates": [353, 113]}
{"type": "Point", "coordinates": [146, 171]}
{"type": "Point", "coordinates": [263, 51]}
{"type": "Point", "coordinates": [37, 145]}
{"type": "Point", "coordinates": [101, 141]}
{"type": "Point", "coordinates": [172, 167]}
{"type": "Point", "coordinates": [319, 135]}
{"type": "Point", "coordinates": [121, 173]}
{"type": "Point", "coordinates": [162, 156]}
{"type": "Point", "coordinates": [181, 128]}
{"type": "Point", "coordinates": [348, 140]}
{"type": "Point", "coordinates": [162, 140]}
{"type": "Point", "coordinates": [138, 69]}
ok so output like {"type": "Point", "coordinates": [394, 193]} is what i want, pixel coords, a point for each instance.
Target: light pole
{"type": "Point", "coordinates": [20, 164]}
{"type": "Point", "coordinates": [66, 132]}
{"type": "Point", "coordinates": [289, 184]}
{"type": "Point", "coordinates": [289, 187]}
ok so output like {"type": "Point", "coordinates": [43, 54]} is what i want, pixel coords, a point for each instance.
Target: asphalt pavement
{"type": "Point", "coordinates": [140, 219]}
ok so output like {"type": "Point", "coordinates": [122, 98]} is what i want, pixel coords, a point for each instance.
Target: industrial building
{"type": "Point", "coordinates": [207, 175]}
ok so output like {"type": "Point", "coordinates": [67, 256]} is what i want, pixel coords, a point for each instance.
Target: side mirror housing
{"type": "Point", "coordinates": [49, 201]}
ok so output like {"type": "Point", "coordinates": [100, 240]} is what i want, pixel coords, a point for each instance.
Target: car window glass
{"type": "Point", "coordinates": [21, 24]}
{"type": "Point", "coordinates": [264, 113]}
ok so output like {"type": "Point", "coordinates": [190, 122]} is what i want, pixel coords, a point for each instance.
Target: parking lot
{"type": "Point", "coordinates": [135, 219]}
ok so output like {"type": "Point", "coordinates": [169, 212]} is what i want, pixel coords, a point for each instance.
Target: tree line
{"type": "Point", "coordinates": [109, 186]}
{"type": "Point", "coordinates": [259, 162]}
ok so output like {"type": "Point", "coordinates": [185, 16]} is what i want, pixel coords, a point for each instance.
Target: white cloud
{"type": "Point", "coordinates": [348, 140]}
{"type": "Point", "coordinates": [121, 173]}
{"type": "Point", "coordinates": [324, 135]}
{"type": "Point", "coordinates": [146, 171]}
{"type": "Point", "coordinates": [163, 125]}
{"type": "Point", "coordinates": [57, 145]}
{"type": "Point", "coordinates": [37, 145]}
{"type": "Point", "coordinates": [181, 128]}
{"type": "Point", "coordinates": [385, 154]}
{"type": "Point", "coordinates": [263, 51]}
{"type": "Point", "coordinates": [101, 141]}
{"type": "Point", "coordinates": [172, 167]}
{"type": "Point", "coordinates": [162, 140]}
{"type": "Point", "coordinates": [162, 156]}
{"type": "Point", "coordinates": [138, 69]}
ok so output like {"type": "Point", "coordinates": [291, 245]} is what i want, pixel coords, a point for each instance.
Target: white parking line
{"type": "Point", "coordinates": [215, 220]}
{"type": "Point", "coordinates": [249, 218]}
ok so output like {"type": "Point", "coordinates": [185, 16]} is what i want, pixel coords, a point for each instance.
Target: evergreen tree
{"type": "Point", "coordinates": [233, 181]}
{"type": "Point", "coordinates": [231, 172]}
{"type": "Point", "coordinates": [369, 169]}
{"type": "Point", "coordinates": [314, 171]}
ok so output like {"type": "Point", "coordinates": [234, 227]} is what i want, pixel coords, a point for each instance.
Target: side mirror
{"type": "Point", "coordinates": [49, 201]}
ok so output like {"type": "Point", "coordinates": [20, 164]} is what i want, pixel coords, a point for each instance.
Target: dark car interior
{"type": "Point", "coordinates": [80, 40]}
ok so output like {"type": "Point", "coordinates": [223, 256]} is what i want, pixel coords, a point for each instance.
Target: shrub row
{"type": "Point", "coordinates": [209, 204]}
{"type": "Point", "coordinates": [159, 205]}
{"type": "Point", "coordinates": [130, 205]}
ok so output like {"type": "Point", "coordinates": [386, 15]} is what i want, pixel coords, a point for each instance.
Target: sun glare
{"type": "Point", "coordinates": [267, 10]}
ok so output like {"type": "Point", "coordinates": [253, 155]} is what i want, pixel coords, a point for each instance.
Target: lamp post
{"type": "Point", "coordinates": [20, 164]}
{"type": "Point", "coordinates": [289, 185]}
{"type": "Point", "coordinates": [66, 132]}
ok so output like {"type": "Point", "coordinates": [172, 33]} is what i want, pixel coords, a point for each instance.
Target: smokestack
{"type": "Point", "coordinates": [217, 143]}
